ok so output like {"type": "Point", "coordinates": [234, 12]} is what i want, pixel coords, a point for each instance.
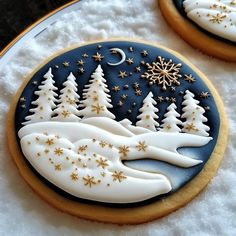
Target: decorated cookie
{"type": "Point", "coordinates": [208, 25]}
{"type": "Point", "coordinates": [117, 131]}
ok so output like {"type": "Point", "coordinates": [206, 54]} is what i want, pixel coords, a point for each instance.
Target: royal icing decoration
{"type": "Point", "coordinates": [75, 136]}
{"type": "Point", "coordinates": [215, 16]}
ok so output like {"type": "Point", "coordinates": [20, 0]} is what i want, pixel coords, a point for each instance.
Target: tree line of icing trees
{"type": "Point", "coordinates": [96, 101]}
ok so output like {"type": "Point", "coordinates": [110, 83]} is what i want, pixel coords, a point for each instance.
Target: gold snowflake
{"type": "Point", "coordinates": [218, 18]}
{"type": "Point", "coordinates": [58, 151]}
{"type": "Point", "coordinates": [118, 175]}
{"type": "Point", "coordinates": [124, 150]}
{"type": "Point", "coordinates": [89, 181]}
{"type": "Point", "coordinates": [191, 127]}
{"type": "Point", "coordinates": [74, 176]}
{"type": "Point", "coordinates": [65, 114]}
{"type": "Point", "coordinates": [163, 72]}
{"type": "Point", "coordinates": [49, 141]}
{"type": "Point", "coordinates": [102, 162]}
{"type": "Point", "coordinates": [82, 148]}
{"type": "Point", "coordinates": [141, 146]}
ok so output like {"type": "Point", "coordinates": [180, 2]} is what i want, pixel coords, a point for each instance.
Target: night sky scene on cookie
{"type": "Point", "coordinates": [132, 70]}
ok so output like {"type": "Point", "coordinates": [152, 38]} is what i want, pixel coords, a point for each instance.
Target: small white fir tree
{"type": "Point", "coordinates": [96, 98]}
{"type": "Point", "coordinates": [45, 102]}
{"type": "Point", "coordinates": [148, 116]}
{"type": "Point", "coordinates": [193, 115]}
{"type": "Point", "coordinates": [171, 121]}
{"type": "Point", "coordinates": [66, 109]}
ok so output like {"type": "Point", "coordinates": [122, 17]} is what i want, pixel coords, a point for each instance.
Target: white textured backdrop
{"type": "Point", "coordinates": [22, 212]}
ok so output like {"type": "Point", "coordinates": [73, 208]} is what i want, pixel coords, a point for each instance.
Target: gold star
{"type": "Point", "coordinates": [189, 78]}
{"type": "Point", "coordinates": [49, 141]}
{"type": "Point", "coordinates": [65, 114]}
{"type": "Point", "coordinates": [141, 146]}
{"type": "Point", "coordinates": [102, 162]}
{"type": "Point", "coordinates": [110, 145]}
{"type": "Point", "coordinates": [118, 175]}
{"type": "Point", "coordinates": [144, 53]}
{"type": "Point", "coordinates": [95, 98]}
{"type": "Point", "coordinates": [89, 180]}
{"type": "Point", "coordinates": [58, 151]}
{"type": "Point", "coordinates": [160, 98]}
{"type": "Point", "coordinates": [66, 64]}
{"type": "Point", "coordinates": [80, 62]}
{"type": "Point", "coordinates": [123, 74]}
{"type": "Point", "coordinates": [85, 55]}
{"type": "Point", "coordinates": [130, 61]}
{"type": "Point", "coordinates": [57, 167]}
{"type": "Point", "coordinates": [190, 127]}
{"type": "Point", "coordinates": [124, 96]}
{"type": "Point", "coordinates": [120, 104]}
{"type": "Point", "coordinates": [74, 176]}
{"type": "Point", "coordinates": [147, 117]}
{"type": "Point", "coordinates": [97, 108]}
{"type": "Point", "coordinates": [116, 88]}
{"type": "Point", "coordinates": [102, 144]}
{"type": "Point", "coordinates": [71, 101]}
{"type": "Point", "coordinates": [82, 148]}
{"type": "Point", "coordinates": [81, 70]}
{"type": "Point", "coordinates": [205, 95]}
{"type": "Point", "coordinates": [173, 100]}
{"type": "Point", "coordinates": [138, 92]}
{"type": "Point", "coordinates": [138, 69]}
{"type": "Point", "coordinates": [98, 57]}
{"type": "Point", "coordinates": [123, 150]}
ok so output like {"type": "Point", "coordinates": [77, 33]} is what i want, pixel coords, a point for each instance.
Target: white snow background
{"type": "Point", "coordinates": [22, 212]}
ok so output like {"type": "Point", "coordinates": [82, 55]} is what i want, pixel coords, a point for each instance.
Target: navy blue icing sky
{"type": "Point", "coordinates": [178, 176]}
{"type": "Point", "coordinates": [179, 6]}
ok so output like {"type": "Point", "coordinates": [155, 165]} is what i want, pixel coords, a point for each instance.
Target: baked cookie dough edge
{"type": "Point", "coordinates": [136, 215]}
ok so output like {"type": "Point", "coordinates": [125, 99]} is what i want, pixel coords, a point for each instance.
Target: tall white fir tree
{"type": "Point", "coordinates": [148, 116]}
{"type": "Point", "coordinates": [66, 109]}
{"type": "Point", "coordinates": [193, 115]}
{"type": "Point", "coordinates": [45, 103]}
{"type": "Point", "coordinates": [171, 121]}
{"type": "Point", "coordinates": [96, 98]}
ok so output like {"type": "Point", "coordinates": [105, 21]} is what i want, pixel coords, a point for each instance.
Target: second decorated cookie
{"type": "Point", "coordinates": [117, 131]}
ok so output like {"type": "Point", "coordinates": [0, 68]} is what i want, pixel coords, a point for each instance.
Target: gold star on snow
{"type": "Point", "coordinates": [97, 108]}
{"type": "Point", "coordinates": [71, 101]}
{"type": "Point", "coordinates": [144, 53]}
{"type": "Point", "coordinates": [95, 98]}
{"type": "Point", "coordinates": [218, 18]}
{"type": "Point", "coordinates": [57, 167]}
{"type": "Point", "coordinates": [49, 141]}
{"type": "Point", "coordinates": [130, 61]}
{"type": "Point", "coordinates": [116, 88]}
{"type": "Point", "coordinates": [191, 127]}
{"type": "Point", "coordinates": [97, 57]}
{"type": "Point", "coordinates": [141, 146]}
{"type": "Point", "coordinates": [82, 148]}
{"type": "Point", "coordinates": [123, 150]}
{"type": "Point", "coordinates": [123, 74]}
{"type": "Point", "coordinates": [167, 127]}
{"type": "Point", "coordinates": [89, 181]}
{"type": "Point", "coordinates": [74, 176]}
{"type": "Point", "coordinates": [189, 78]}
{"type": "Point", "coordinates": [205, 95]}
{"type": "Point", "coordinates": [102, 144]}
{"type": "Point", "coordinates": [80, 62]}
{"type": "Point", "coordinates": [118, 175]}
{"type": "Point", "coordinates": [65, 114]}
{"type": "Point", "coordinates": [66, 64]}
{"type": "Point", "coordinates": [163, 72]}
{"type": "Point", "coordinates": [58, 151]}
{"type": "Point", "coordinates": [102, 162]}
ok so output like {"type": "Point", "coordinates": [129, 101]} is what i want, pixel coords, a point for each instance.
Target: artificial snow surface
{"type": "Point", "coordinates": [22, 212]}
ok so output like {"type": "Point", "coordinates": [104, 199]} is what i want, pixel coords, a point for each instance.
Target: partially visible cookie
{"type": "Point", "coordinates": [207, 25]}
{"type": "Point", "coordinates": [117, 131]}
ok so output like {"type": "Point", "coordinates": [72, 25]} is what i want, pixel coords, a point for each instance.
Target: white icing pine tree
{"type": "Point", "coordinates": [66, 110]}
{"type": "Point", "coordinates": [148, 114]}
{"type": "Point", "coordinates": [96, 97]}
{"type": "Point", "coordinates": [45, 102]}
{"type": "Point", "coordinates": [171, 121]}
{"type": "Point", "coordinates": [193, 113]}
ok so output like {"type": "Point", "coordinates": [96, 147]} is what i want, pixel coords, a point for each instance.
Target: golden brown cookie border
{"type": "Point", "coordinates": [132, 215]}
{"type": "Point", "coordinates": [195, 37]}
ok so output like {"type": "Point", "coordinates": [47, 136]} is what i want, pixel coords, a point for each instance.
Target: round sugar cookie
{"type": "Point", "coordinates": [118, 131]}
{"type": "Point", "coordinates": [206, 25]}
